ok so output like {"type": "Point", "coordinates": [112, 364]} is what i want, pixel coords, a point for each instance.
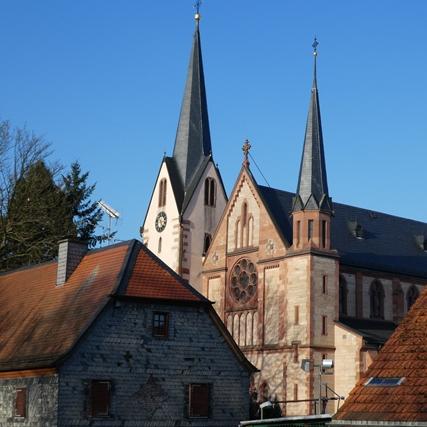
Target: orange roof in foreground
{"type": "Point", "coordinates": [151, 278]}
{"type": "Point", "coordinates": [403, 355]}
{"type": "Point", "coordinates": [41, 322]}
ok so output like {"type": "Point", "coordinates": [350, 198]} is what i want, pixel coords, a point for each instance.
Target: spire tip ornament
{"type": "Point", "coordinates": [315, 44]}
{"type": "Point", "coordinates": [197, 7]}
{"type": "Point", "coordinates": [246, 148]}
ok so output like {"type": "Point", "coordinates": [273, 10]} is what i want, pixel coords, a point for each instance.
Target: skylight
{"type": "Point", "coordinates": [384, 382]}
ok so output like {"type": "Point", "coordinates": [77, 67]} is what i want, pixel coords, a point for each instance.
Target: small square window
{"type": "Point", "coordinates": [160, 324]}
{"type": "Point", "coordinates": [198, 400]}
{"type": "Point", "coordinates": [20, 403]}
{"type": "Point", "coordinates": [100, 398]}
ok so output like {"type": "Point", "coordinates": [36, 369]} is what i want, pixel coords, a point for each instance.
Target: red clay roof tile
{"type": "Point", "coordinates": [403, 355]}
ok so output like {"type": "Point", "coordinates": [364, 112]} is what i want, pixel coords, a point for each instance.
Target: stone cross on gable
{"type": "Point", "coordinates": [246, 148]}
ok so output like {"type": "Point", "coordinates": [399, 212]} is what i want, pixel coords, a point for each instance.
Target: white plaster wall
{"type": "Point", "coordinates": [170, 235]}
{"type": "Point", "coordinates": [244, 194]}
{"type": "Point", "coordinates": [201, 219]}
{"type": "Point", "coordinates": [351, 296]}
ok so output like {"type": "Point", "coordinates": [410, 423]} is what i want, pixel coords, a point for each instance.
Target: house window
{"type": "Point", "coordinates": [296, 313]}
{"type": "Point", "coordinates": [324, 325]}
{"type": "Point", "coordinates": [310, 230]}
{"type": "Point", "coordinates": [100, 398]}
{"type": "Point", "coordinates": [343, 296]}
{"type": "Point", "coordinates": [160, 324]}
{"type": "Point", "coordinates": [324, 284]}
{"type": "Point", "coordinates": [198, 400]}
{"type": "Point", "coordinates": [162, 192]}
{"type": "Point", "coordinates": [377, 300]}
{"type": "Point", "coordinates": [298, 232]}
{"type": "Point", "coordinates": [411, 296]}
{"type": "Point", "coordinates": [21, 403]}
{"type": "Point", "coordinates": [210, 192]}
{"type": "Point", "coordinates": [206, 243]}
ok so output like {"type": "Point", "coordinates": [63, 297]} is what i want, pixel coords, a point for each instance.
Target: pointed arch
{"type": "Point", "coordinates": [376, 294]}
{"type": "Point", "coordinates": [162, 192]}
{"type": "Point", "coordinates": [251, 231]}
{"type": "Point", "coordinates": [343, 296]}
{"type": "Point", "coordinates": [398, 302]}
{"type": "Point", "coordinates": [242, 334]}
{"type": "Point", "coordinates": [236, 325]}
{"type": "Point", "coordinates": [249, 341]}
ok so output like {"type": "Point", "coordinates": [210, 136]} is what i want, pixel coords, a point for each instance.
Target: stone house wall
{"type": "Point", "coordinates": [149, 375]}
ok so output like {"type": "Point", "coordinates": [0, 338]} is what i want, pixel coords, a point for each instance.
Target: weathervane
{"type": "Point", "coordinates": [197, 7]}
{"type": "Point", "coordinates": [315, 44]}
{"type": "Point", "coordinates": [246, 147]}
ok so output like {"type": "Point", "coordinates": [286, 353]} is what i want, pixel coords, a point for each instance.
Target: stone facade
{"type": "Point", "coordinates": [294, 312]}
{"type": "Point", "coordinates": [42, 400]}
{"type": "Point", "coordinates": [149, 375]}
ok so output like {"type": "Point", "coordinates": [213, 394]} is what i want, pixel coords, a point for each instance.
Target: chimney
{"type": "Point", "coordinates": [70, 253]}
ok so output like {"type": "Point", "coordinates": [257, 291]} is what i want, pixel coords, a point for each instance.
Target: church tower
{"type": "Point", "coordinates": [189, 197]}
{"type": "Point", "coordinates": [312, 206]}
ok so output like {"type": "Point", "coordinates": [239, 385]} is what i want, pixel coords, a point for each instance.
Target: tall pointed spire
{"type": "Point", "coordinates": [312, 190]}
{"type": "Point", "coordinates": [193, 140]}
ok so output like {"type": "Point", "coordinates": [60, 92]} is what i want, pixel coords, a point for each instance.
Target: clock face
{"type": "Point", "coordinates": [161, 221]}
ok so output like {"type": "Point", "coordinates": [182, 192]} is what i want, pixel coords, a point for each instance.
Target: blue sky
{"type": "Point", "coordinates": [103, 81]}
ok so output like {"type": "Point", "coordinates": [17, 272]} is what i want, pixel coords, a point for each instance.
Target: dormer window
{"type": "Point", "coordinates": [356, 229]}
{"type": "Point", "coordinates": [421, 242]}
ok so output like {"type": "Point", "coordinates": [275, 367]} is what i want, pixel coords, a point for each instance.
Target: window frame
{"type": "Point", "coordinates": [210, 192]}
{"type": "Point", "coordinates": [91, 397]}
{"type": "Point", "coordinates": [190, 396]}
{"type": "Point", "coordinates": [25, 405]}
{"type": "Point", "coordinates": [164, 330]}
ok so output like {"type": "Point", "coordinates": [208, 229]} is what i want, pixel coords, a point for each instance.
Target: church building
{"type": "Point", "coordinates": [189, 196]}
{"type": "Point", "coordinates": [297, 276]}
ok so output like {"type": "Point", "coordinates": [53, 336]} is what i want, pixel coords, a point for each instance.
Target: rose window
{"type": "Point", "coordinates": [243, 281]}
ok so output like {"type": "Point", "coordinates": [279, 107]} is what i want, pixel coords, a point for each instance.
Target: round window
{"type": "Point", "coordinates": [243, 281]}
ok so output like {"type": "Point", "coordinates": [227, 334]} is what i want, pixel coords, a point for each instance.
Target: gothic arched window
{"type": "Point", "coordinates": [343, 292]}
{"type": "Point", "coordinates": [411, 296]}
{"type": "Point", "coordinates": [210, 192]}
{"type": "Point", "coordinates": [162, 192]}
{"type": "Point", "coordinates": [376, 294]}
{"type": "Point", "coordinates": [397, 302]}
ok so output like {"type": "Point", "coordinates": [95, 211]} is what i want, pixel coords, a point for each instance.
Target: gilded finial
{"type": "Point", "coordinates": [197, 7]}
{"type": "Point", "coordinates": [246, 148]}
{"type": "Point", "coordinates": [315, 44]}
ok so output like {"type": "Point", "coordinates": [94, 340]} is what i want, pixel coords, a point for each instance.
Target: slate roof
{"type": "Point", "coordinates": [403, 356]}
{"type": "Point", "coordinates": [363, 238]}
{"type": "Point", "coordinates": [312, 190]}
{"type": "Point", "coordinates": [193, 140]}
{"type": "Point", "coordinates": [374, 332]}
{"type": "Point", "coordinates": [41, 322]}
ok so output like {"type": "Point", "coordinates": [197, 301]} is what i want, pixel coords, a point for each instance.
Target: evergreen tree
{"type": "Point", "coordinates": [38, 217]}
{"type": "Point", "coordinates": [86, 213]}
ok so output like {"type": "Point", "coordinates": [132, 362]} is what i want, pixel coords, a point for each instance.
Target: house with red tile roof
{"type": "Point", "coordinates": [393, 392]}
{"type": "Point", "coordinates": [111, 337]}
